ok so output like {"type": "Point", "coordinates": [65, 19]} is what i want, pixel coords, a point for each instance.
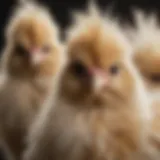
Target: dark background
{"type": "Point", "coordinates": [61, 9]}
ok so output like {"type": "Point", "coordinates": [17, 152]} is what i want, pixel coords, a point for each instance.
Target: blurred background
{"type": "Point", "coordinates": [61, 9]}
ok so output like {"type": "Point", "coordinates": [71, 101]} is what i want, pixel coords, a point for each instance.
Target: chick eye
{"type": "Point", "coordinates": [20, 50]}
{"type": "Point", "coordinates": [114, 70]}
{"type": "Point", "coordinates": [46, 49]}
{"type": "Point", "coordinates": [78, 69]}
{"type": "Point", "coordinates": [155, 78]}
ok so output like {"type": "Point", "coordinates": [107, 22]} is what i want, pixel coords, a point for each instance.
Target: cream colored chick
{"type": "Point", "coordinates": [31, 60]}
{"type": "Point", "coordinates": [100, 111]}
{"type": "Point", "coordinates": [145, 38]}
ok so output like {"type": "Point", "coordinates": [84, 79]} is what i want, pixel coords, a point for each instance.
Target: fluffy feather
{"type": "Point", "coordinates": [155, 127]}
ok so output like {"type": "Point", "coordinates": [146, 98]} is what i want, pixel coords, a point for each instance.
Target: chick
{"type": "Point", "coordinates": [145, 38]}
{"type": "Point", "coordinates": [31, 61]}
{"type": "Point", "coordinates": [100, 110]}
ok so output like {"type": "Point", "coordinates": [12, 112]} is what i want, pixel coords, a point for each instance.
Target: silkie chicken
{"type": "Point", "coordinates": [100, 110]}
{"type": "Point", "coordinates": [31, 61]}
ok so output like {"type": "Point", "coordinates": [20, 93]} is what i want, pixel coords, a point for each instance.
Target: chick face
{"type": "Point", "coordinates": [33, 47]}
{"type": "Point", "coordinates": [97, 71]}
{"type": "Point", "coordinates": [149, 66]}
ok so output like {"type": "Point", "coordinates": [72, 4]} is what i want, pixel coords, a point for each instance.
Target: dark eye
{"type": "Point", "coordinates": [78, 69]}
{"type": "Point", "coordinates": [20, 50]}
{"type": "Point", "coordinates": [155, 78]}
{"type": "Point", "coordinates": [114, 70]}
{"type": "Point", "coordinates": [46, 49]}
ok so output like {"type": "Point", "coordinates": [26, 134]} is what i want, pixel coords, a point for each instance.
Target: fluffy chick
{"type": "Point", "coordinates": [100, 110]}
{"type": "Point", "coordinates": [145, 38]}
{"type": "Point", "coordinates": [31, 60]}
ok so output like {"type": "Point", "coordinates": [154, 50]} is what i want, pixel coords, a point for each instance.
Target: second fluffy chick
{"type": "Point", "coordinates": [31, 60]}
{"type": "Point", "coordinates": [100, 110]}
{"type": "Point", "coordinates": [145, 37]}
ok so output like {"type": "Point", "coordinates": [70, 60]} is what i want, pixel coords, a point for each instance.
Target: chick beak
{"type": "Point", "coordinates": [100, 80]}
{"type": "Point", "coordinates": [36, 56]}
